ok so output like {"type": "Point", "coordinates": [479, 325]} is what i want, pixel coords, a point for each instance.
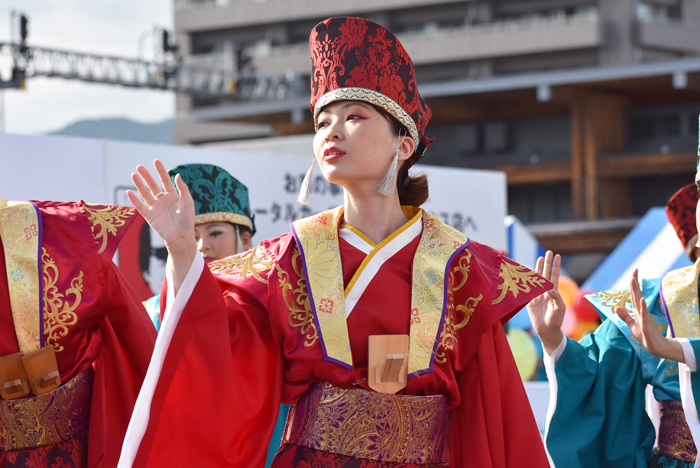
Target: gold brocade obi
{"type": "Point", "coordinates": [369, 425]}
{"type": "Point", "coordinates": [47, 419]}
{"type": "Point", "coordinates": [675, 439]}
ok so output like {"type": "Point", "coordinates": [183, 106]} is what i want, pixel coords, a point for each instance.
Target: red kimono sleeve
{"type": "Point", "coordinates": [494, 425]}
{"type": "Point", "coordinates": [218, 395]}
{"type": "Point", "coordinates": [120, 367]}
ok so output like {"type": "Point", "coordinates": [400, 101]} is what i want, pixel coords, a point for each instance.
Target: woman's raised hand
{"type": "Point", "coordinates": [645, 329]}
{"type": "Point", "coordinates": [170, 214]}
{"type": "Point", "coordinates": [547, 310]}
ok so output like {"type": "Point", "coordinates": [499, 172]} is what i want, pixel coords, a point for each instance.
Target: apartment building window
{"type": "Point", "coordinates": [484, 138]}
{"type": "Point", "coordinates": [647, 128]}
{"type": "Point", "coordinates": [469, 139]}
{"type": "Point", "coordinates": [496, 137]}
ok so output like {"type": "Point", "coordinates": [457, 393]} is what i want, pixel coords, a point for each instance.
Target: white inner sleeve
{"type": "Point", "coordinates": [688, 354]}
{"type": "Point", "coordinates": [173, 311]}
{"type": "Point", "coordinates": [549, 363]}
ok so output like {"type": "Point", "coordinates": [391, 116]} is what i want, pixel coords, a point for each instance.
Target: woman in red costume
{"type": "Point", "coordinates": [75, 342]}
{"type": "Point", "coordinates": [292, 321]}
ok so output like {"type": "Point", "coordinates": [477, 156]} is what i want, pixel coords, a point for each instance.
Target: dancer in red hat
{"type": "Point", "coordinates": [680, 210]}
{"type": "Point", "coordinates": [377, 322]}
{"type": "Point", "coordinates": [75, 342]}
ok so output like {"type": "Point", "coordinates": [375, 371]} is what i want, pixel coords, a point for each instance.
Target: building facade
{"type": "Point", "coordinates": [590, 106]}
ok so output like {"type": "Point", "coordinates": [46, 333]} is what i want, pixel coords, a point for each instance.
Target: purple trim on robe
{"type": "Point", "coordinates": [40, 229]}
{"type": "Point", "coordinates": [663, 301]}
{"type": "Point", "coordinates": [313, 304]}
{"type": "Point", "coordinates": [444, 313]}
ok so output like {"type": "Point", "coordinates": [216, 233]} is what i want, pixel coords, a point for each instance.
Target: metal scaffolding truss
{"type": "Point", "coordinates": [18, 62]}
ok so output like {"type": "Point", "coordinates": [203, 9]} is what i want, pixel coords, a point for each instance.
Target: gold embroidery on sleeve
{"type": "Point", "coordinates": [59, 313]}
{"type": "Point", "coordinates": [448, 337]}
{"type": "Point", "coordinates": [614, 298]}
{"type": "Point", "coordinates": [254, 262]}
{"type": "Point", "coordinates": [108, 219]}
{"type": "Point", "coordinates": [300, 314]}
{"type": "Point", "coordinates": [516, 279]}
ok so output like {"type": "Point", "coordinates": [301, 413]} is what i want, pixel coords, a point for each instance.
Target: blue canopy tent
{"type": "Point", "coordinates": [652, 247]}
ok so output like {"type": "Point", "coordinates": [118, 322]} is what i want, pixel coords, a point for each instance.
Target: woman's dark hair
{"type": "Point", "coordinates": [413, 189]}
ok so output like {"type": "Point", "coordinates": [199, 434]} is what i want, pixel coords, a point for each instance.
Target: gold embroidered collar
{"type": "Point", "coordinates": [20, 234]}
{"type": "Point", "coordinates": [679, 295]}
{"type": "Point", "coordinates": [317, 238]}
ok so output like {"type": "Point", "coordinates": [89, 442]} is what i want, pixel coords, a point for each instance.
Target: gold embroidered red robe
{"type": "Point", "coordinates": [248, 333]}
{"type": "Point", "coordinates": [94, 321]}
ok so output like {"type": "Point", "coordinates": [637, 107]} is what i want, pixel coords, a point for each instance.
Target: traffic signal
{"type": "Point", "coordinates": [23, 25]}
{"type": "Point", "coordinates": [165, 41]}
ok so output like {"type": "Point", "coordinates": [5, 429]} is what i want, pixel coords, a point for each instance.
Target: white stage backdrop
{"type": "Point", "coordinates": [60, 168]}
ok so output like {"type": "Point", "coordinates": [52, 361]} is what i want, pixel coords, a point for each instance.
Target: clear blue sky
{"type": "Point", "coordinates": [109, 27]}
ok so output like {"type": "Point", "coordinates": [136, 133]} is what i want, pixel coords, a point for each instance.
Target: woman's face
{"type": "Point", "coordinates": [354, 145]}
{"type": "Point", "coordinates": [216, 240]}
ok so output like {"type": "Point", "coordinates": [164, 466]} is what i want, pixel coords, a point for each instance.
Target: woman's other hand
{"type": "Point", "coordinates": [645, 329]}
{"type": "Point", "coordinates": [547, 310]}
{"type": "Point", "coordinates": [169, 213]}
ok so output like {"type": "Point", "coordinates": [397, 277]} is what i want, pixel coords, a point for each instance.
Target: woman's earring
{"type": "Point", "coordinates": [305, 189]}
{"type": "Point", "coordinates": [389, 181]}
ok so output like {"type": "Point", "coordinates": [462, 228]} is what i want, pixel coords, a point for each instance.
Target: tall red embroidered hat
{"type": "Point", "coordinates": [680, 210]}
{"type": "Point", "coordinates": [358, 60]}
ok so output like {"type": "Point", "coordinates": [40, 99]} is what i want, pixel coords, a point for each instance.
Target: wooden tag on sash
{"type": "Point", "coordinates": [387, 366]}
{"type": "Point", "coordinates": [13, 379]}
{"type": "Point", "coordinates": [42, 370]}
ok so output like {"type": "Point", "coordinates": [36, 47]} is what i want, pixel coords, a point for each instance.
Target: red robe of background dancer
{"type": "Point", "coordinates": [93, 319]}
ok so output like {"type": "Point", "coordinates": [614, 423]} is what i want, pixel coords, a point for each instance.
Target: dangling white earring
{"type": "Point", "coordinates": [389, 180]}
{"type": "Point", "coordinates": [305, 188]}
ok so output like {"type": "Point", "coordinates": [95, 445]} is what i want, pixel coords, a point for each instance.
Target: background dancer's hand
{"type": "Point", "coordinates": [547, 310]}
{"type": "Point", "coordinates": [645, 329]}
{"type": "Point", "coordinates": [169, 213]}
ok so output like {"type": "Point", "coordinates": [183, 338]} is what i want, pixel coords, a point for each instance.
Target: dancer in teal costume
{"type": "Point", "coordinates": [597, 414]}
{"type": "Point", "coordinates": [598, 394]}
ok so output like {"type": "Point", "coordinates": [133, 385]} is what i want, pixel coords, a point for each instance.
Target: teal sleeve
{"type": "Point", "coordinates": [599, 418]}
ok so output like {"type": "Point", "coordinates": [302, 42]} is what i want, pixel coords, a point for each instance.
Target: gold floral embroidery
{"type": "Point", "coordinates": [254, 262]}
{"type": "Point", "coordinates": [47, 419]}
{"type": "Point", "coordinates": [680, 291]}
{"type": "Point", "coordinates": [516, 279]}
{"type": "Point", "coordinates": [672, 370]}
{"type": "Point", "coordinates": [375, 426]}
{"type": "Point", "coordinates": [19, 231]}
{"type": "Point", "coordinates": [614, 298]}
{"type": "Point", "coordinates": [300, 314]}
{"type": "Point", "coordinates": [438, 243]}
{"type": "Point", "coordinates": [448, 337]}
{"type": "Point", "coordinates": [320, 251]}
{"type": "Point", "coordinates": [59, 313]}
{"type": "Point", "coordinates": [108, 219]}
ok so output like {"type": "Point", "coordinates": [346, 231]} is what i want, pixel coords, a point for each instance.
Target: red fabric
{"type": "Point", "coordinates": [680, 210]}
{"type": "Point", "coordinates": [129, 252]}
{"type": "Point", "coordinates": [233, 360]}
{"type": "Point", "coordinates": [355, 53]}
{"type": "Point", "coordinates": [112, 330]}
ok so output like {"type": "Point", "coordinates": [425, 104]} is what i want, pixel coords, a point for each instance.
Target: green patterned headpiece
{"type": "Point", "coordinates": [218, 196]}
